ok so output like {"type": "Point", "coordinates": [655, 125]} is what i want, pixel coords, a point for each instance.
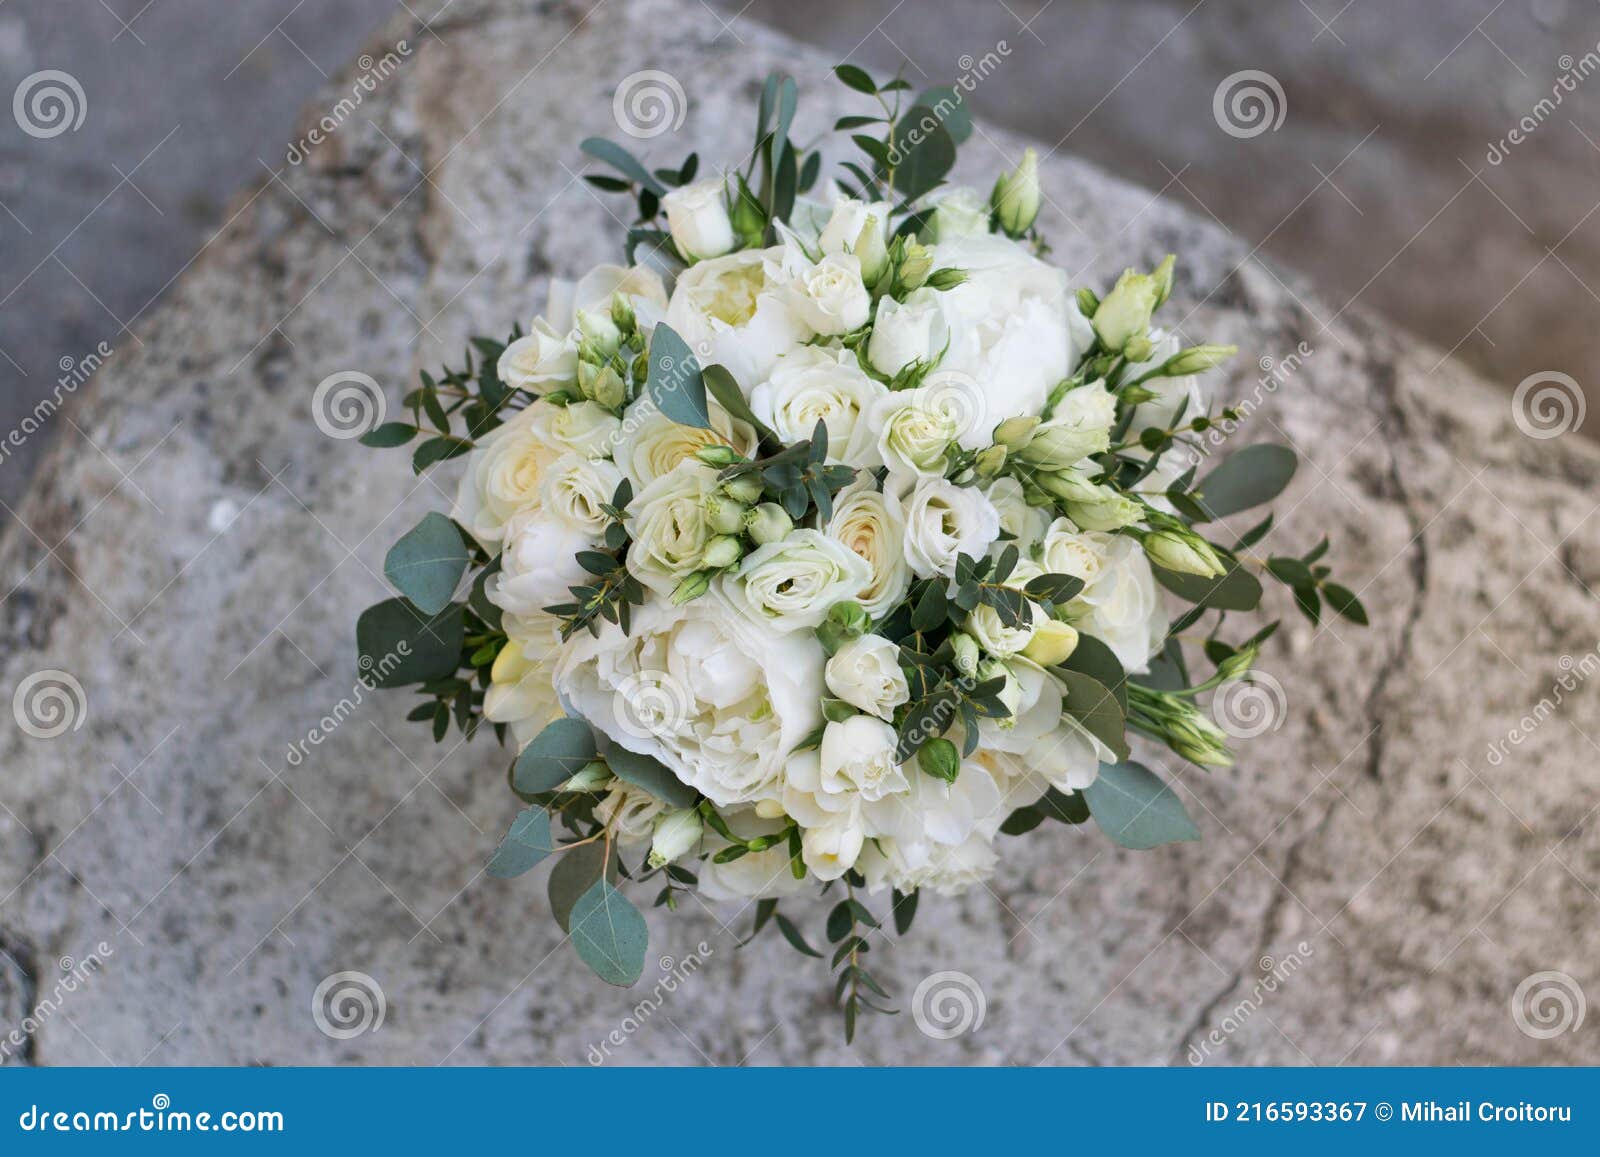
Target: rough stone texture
{"type": "Point", "coordinates": [196, 558]}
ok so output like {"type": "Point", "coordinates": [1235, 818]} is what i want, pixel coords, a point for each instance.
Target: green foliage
{"type": "Point", "coordinates": [526, 844]}
{"type": "Point", "coordinates": [427, 563]}
{"type": "Point", "coordinates": [1136, 809]}
{"type": "Point", "coordinates": [399, 644]}
{"type": "Point", "coordinates": [675, 384]}
{"type": "Point", "coordinates": [609, 934]}
{"type": "Point", "coordinates": [554, 756]}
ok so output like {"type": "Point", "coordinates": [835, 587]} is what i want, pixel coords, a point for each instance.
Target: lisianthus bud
{"type": "Point", "coordinates": [1182, 552]}
{"type": "Point", "coordinates": [966, 653]}
{"type": "Point", "coordinates": [769, 522]}
{"type": "Point", "coordinates": [749, 218]}
{"type": "Point", "coordinates": [845, 621]}
{"type": "Point", "coordinates": [1123, 319]}
{"type": "Point", "coordinates": [1238, 663]}
{"type": "Point", "coordinates": [1053, 642]}
{"type": "Point", "coordinates": [947, 278]}
{"type": "Point", "coordinates": [1199, 740]}
{"type": "Point", "coordinates": [622, 313]}
{"type": "Point", "coordinates": [608, 389]}
{"type": "Point", "coordinates": [1088, 301]}
{"type": "Point", "coordinates": [725, 515]}
{"type": "Point", "coordinates": [1163, 277]}
{"type": "Point", "coordinates": [676, 833]}
{"type": "Point", "coordinates": [691, 588]}
{"type": "Point", "coordinates": [1197, 360]}
{"type": "Point", "coordinates": [722, 551]}
{"type": "Point", "coordinates": [990, 461]}
{"type": "Point", "coordinates": [1014, 433]}
{"type": "Point", "coordinates": [601, 337]}
{"type": "Point", "coordinates": [871, 251]}
{"type": "Point", "coordinates": [1107, 511]}
{"type": "Point", "coordinates": [718, 455]}
{"type": "Point", "coordinates": [745, 488]}
{"type": "Point", "coordinates": [915, 266]}
{"type": "Point", "coordinates": [1016, 196]}
{"type": "Point", "coordinates": [940, 759]}
{"type": "Point", "coordinates": [591, 777]}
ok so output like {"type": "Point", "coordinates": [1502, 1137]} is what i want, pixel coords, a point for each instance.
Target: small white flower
{"type": "Point", "coordinates": [910, 431]}
{"type": "Point", "coordinates": [651, 444]}
{"type": "Point", "coordinates": [829, 297]}
{"type": "Point", "coordinates": [858, 756]}
{"type": "Point", "coordinates": [849, 216]}
{"type": "Point", "coordinates": [575, 489]}
{"type": "Point", "coordinates": [960, 212]}
{"type": "Point", "coordinates": [541, 359]}
{"type": "Point", "coordinates": [866, 674]}
{"type": "Point", "coordinates": [671, 526]}
{"type": "Point", "coordinates": [583, 428]}
{"type": "Point", "coordinates": [904, 332]}
{"type": "Point", "coordinates": [812, 384]}
{"type": "Point", "coordinates": [831, 850]}
{"type": "Point", "coordinates": [697, 216]}
{"type": "Point", "coordinates": [1025, 524]}
{"type": "Point", "coordinates": [872, 526]}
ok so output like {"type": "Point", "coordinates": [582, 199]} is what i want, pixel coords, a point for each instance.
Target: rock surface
{"type": "Point", "coordinates": [195, 551]}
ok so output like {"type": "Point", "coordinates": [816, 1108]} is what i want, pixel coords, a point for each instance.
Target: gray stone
{"type": "Point", "coordinates": [194, 554]}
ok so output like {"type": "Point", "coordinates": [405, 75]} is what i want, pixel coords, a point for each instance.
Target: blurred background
{"type": "Point", "coordinates": [1441, 168]}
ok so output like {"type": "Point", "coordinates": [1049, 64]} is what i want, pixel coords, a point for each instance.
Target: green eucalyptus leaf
{"type": "Point", "coordinates": [398, 644]}
{"type": "Point", "coordinates": [1236, 589]}
{"type": "Point", "coordinates": [527, 843]}
{"type": "Point", "coordinates": [1136, 809]}
{"type": "Point", "coordinates": [427, 563]}
{"type": "Point", "coordinates": [1094, 705]}
{"type": "Point", "coordinates": [651, 774]}
{"type": "Point", "coordinates": [575, 872]}
{"type": "Point", "coordinates": [921, 152]}
{"type": "Point", "coordinates": [675, 382]}
{"type": "Point", "coordinates": [1254, 475]}
{"type": "Point", "coordinates": [730, 397]}
{"type": "Point", "coordinates": [609, 934]}
{"type": "Point", "coordinates": [952, 110]}
{"type": "Point", "coordinates": [554, 756]}
{"type": "Point", "coordinates": [1093, 658]}
{"type": "Point", "coordinates": [623, 161]}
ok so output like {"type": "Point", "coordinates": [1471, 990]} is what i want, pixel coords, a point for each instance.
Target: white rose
{"type": "Point", "coordinates": [994, 636]}
{"type": "Point", "coordinates": [814, 384]}
{"type": "Point", "coordinates": [829, 297]}
{"type": "Point", "coordinates": [858, 756]}
{"type": "Point", "coordinates": [731, 312]}
{"type": "Point", "coordinates": [651, 444]}
{"type": "Point", "coordinates": [503, 475]}
{"type": "Point", "coordinates": [947, 870]}
{"type": "Point", "coordinates": [538, 565]}
{"type": "Point", "coordinates": [1026, 524]}
{"type": "Point", "coordinates": [1120, 604]}
{"type": "Point", "coordinates": [743, 697]}
{"type": "Point", "coordinates": [871, 525]}
{"type": "Point", "coordinates": [866, 674]}
{"type": "Point", "coordinates": [790, 584]}
{"type": "Point", "coordinates": [521, 692]}
{"type": "Point", "coordinates": [670, 526]}
{"type": "Point", "coordinates": [585, 428]}
{"type": "Point", "coordinates": [961, 212]}
{"type": "Point", "coordinates": [849, 217]}
{"type": "Point", "coordinates": [909, 431]}
{"type": "Point", "coordinates": [944, 520]}
{"type": "Point", "coordinates": [831, 850]}
{"type": "Point", "coordinates": [906, 332]}
{"type": "Point", "coordinates": [575, 489]}
{"type": "Point", "coordinates": [541, 358]}
{"type": "Point", "coordinates": [697, 216]}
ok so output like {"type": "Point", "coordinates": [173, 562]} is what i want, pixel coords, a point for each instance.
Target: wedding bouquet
{"type": "Point", "coordinates": [826, 543]}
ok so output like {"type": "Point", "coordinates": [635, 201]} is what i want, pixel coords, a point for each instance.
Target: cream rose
{"type": "Point", "coordinates": [790, 584]}
{"type": "Point", "coordinates": [829, 297]}
{"type": "Point", "coordinates": [910, 431]}
{"type": "Point", "coordinates": [543, 358]}
{"type": "Point", "coordinates": [904, 332]}
{"type": "Point", "coordinates": [871, 525]}
{"type": "Point", "coordinates": [651, 444]}
{"type": "Point", "coordinates": [732, 312]}
{"type": "Point", "coordinates": [866, 674]}
{"type": "Point", "coordinates": [744, 697]}
{"type": "Point", "coordinates": [816, 384]}
{"type": "Point", "coordinates": [671, 527]}
{"type": "Point", "coordinates": [576, 488]}
{"type": "Point", "coordinates": [944, 520]}
{"type": "Point", "coordinates": [503, 475]}
{"type": "Point", "coordinates": [538, 565]}
{"type": "Point", "coordinates": [583, 428]}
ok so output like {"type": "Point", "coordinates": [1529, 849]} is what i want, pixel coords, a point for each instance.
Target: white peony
{"type": "Point", "coordinates": [790, 584]}
{"type": "Point", "coordinates": [858, 756]}
{"type": "Point", "coordinates": [866, 674]}
{"type": "Point", "coordinates": [538, 565]}
{"type": "Point", "coordinates": [812, 384]}
{"type": "Point", "coordinates": [650, 444]}
{"type": "Point", "coordinates": [872, 526]}
{"type": "Point", "coordinates": [697, 217]}
{"type": "Point", "coordinates": [732, 312]}
{"type": "Point", "coordinates": [944, 520]}
{"type": "Point", "coordinates": [743, 697]}
{"type": "Point", "coordinates": [946, 870]}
